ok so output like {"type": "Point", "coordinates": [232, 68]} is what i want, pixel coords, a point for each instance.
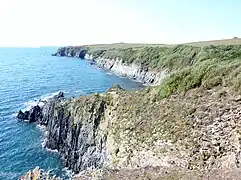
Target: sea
{"type": "Point", "coordinates": [30, 74]}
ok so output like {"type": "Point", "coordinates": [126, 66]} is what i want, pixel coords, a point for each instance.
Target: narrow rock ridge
{"type": "Point", "coordinates": [132, 71]}
{"type": "Point", "coordinates": [73, 128]}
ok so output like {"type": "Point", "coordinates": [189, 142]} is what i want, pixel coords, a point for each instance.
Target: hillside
{"type": "Point", "coordinates": [233, 41]}
{"type": "Point", "coordinates": [185, 66]}
{"type": "Point", "coordinates": [187, 125]}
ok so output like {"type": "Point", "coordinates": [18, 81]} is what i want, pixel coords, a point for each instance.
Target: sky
{"type": "Point", "coordinates": [79, 22]}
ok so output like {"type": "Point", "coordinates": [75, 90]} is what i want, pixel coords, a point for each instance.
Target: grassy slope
{"type": "Point", "coordinates": [233, 41]}
{"type": "Point", "coordinates": [193, 65]}
{"type": "Point", "coordinates": [204, 82]}
{"type": "Point", "coordinates": [197, 122]}
{"type": "Point", "coordinates": [212, 66]}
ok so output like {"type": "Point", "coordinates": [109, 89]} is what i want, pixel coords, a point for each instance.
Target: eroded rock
{"type": "Point", "coordinates": [38, 174]}
{"type": "Point", "coordinates": [37, 113]}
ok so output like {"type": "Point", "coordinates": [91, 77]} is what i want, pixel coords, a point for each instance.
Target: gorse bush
{"type": "Point", "coordinates": [217, 68]}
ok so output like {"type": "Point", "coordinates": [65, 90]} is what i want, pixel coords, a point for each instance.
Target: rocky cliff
{"type": "Point", "coordinates": [189, 126]}
{"type": "Point", "coordinates": [134, 130]}
{"type": "Point", "coordinates": [70, 51]}
{"type": "Point", "coordinates": [133, 71]}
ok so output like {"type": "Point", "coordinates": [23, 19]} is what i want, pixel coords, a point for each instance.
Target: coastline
{"type": "Point", "coordinates": [135, 130]}
{"type": "Point", "coordinates": [132, 71]}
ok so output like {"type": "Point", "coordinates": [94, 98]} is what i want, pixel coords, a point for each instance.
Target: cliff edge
{"type": "Point", "coordinates": [188, 126]}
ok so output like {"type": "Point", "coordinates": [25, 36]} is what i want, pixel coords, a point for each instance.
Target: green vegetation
{"type": "Point", "coordinates": [190, 66]}
{"type": "Point", "coordinates": [181, 119]}
{"type": "Point", "coordinates": [154, 57]}
{"type": "Point", "coordinates": [213, 66]}
{"type": "Point", "coordinates": [233, 41]}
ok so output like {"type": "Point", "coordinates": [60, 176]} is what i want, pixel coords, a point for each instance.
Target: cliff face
{"type": "Point", "coordinates": [192, 121]}
{"type": "Point", "coordinates": [133, 71]}
{"type": "Point", "coordinates": [136, 72]}
{"type": "Point", "coordinates": [131, 130]}
{"type": "Point", "coordinates": [77, 128]}
{"type": "Point", "coordinates": [73, 130]}
{"type": "Point", "coordinates": [71, 52]}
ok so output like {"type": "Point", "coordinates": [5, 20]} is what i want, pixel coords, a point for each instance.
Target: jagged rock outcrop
{"type": "Point", "coordinates": [33, 115]}
{"type": "Point", "coordinates": [133, 71]}
{"type": "Point", "coordinates": [37, 113]}
{"type": "Point", "coordinates": [73, 128]}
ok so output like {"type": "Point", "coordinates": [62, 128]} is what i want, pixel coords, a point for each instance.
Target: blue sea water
{"type": "Point", "coordinates": [26, 75]}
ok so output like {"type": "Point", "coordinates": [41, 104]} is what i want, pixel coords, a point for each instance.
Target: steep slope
{"type": "Point", "coordinates": [121, 129]}
{"type": "Point", "coordinates": [152, 64]}
{"type": "Point", "coordinates": [188, 124]}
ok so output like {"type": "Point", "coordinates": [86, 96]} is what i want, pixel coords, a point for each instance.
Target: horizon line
{"type": "Point", "coordinates": [57, 46]}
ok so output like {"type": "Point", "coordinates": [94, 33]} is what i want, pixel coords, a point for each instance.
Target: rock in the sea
{"type": "Point", "coordinates": [60, 95]}
{"type": "Point", "coordinates": [36, 113]}
{"type": "Point", "coordinates": [22, 115]}
{"type": "Point", "coordinates": [33, 115]}
{"type": "Point", "coordinates": [92, 63]}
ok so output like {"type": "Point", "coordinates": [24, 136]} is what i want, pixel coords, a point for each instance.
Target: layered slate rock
{"type": "Point", "coordinates": [72, 129]}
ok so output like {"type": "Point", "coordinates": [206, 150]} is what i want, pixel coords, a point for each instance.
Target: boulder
{"type": "Point", "coordinates": [22, 115]}
{"type": "Point", "coordinates": [60, 95]}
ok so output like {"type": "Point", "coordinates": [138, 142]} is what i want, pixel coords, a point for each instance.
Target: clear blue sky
{"type": "Point", "coordinates": [73, 22]}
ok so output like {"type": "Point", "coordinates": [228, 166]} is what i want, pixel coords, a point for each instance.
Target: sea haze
{"type": "Point", "coordinates": [26, 75]}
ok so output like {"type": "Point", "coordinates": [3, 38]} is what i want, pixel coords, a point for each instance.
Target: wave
{"type": "Point", "coordinates": [64, 173]}
{"type": "Point", "coordinates": [79, 91]}
{"type": "Point", "coordinates": [51, 150]}
{"type": "Point", "coordinates": [44, 146]}
{"type": "Point", "coordinates": [14, 114]}
{"type": "Point", "coordinates": [41, 127]}
{"type": "Point", "coordinates": [9, 175]}
{"type": "Point", "coordinates": [68, 173]}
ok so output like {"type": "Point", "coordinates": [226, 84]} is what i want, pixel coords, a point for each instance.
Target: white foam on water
{"type": "Point", "coordinates": [8, 175]}
{"type": "Point", "coordinates": [79, 91]}
{"type": "Point", "coordinates": [40, 100]}
{"type": "Point", "coordinates": [44, 146]}
{"type": "Point", "coordinates": [14, 114]}
{"type": "Point", "coordinates": [68, 173]}
{"type": "Point", "coordinates": [51, 150]}
{"type": "Point", "coordinates": [41, 127]}
{"type": "Point", "coordinates": [28, 105]}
